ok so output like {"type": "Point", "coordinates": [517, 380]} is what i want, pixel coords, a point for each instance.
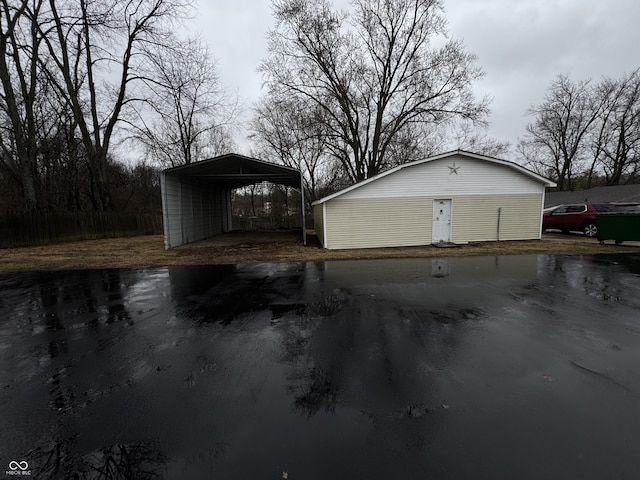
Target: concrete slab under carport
{"type": "Point", "coordinates": [239, 237]}
{"type": "Point", "coordinates": [196, 198]}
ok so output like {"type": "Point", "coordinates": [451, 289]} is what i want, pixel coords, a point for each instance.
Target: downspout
{"type": "Point", "coordinates": [304, 219]}
{"type": "Point", "coordinates": [324, 225]}
{"type": "Point", "coordinates": [498, 230]}
{"type": "Point", "coordinates": [544, 192]}
{"type": "Point", "coordinates": [181, 180]}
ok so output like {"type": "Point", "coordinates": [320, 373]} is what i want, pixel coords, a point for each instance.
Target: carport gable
{"type": "Point", "coordinates": [235, 171]}
{"type": "Point", "coordinates": [196, 198]}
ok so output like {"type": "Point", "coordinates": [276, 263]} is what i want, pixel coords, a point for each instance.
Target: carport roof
{"type": "Point", "coordinates": [238, 171]}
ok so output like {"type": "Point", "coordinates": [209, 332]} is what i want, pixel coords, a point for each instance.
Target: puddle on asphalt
{"type": "Point", "coordinates": [360, 369]}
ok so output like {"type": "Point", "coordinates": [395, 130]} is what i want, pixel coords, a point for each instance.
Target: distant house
{"type": "Point", "coordinates": [456, 197]}
{"type": "Point", "coordinates": [615, 193]}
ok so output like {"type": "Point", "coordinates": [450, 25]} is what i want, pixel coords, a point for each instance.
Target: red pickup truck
{"type": "Point", "coordinates": [582, 216]}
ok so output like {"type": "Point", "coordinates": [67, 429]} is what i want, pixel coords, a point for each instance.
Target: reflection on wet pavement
{"type": "Point", "coordinates": [484, 367]}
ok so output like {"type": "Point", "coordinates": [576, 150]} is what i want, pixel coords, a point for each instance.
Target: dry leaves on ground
{"type": "Point", "coordinates": [149, 250]}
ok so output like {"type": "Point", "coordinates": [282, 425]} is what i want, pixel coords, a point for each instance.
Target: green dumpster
{"type": "Point", "coordinates": [619, 227]}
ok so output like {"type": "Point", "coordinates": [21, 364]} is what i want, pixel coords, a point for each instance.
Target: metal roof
{"type": "Point", "coordinates": [545, 181]}
{"type": "Point", "coordinates": [237, 171]}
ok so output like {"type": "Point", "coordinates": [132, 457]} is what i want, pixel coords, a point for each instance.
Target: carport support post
{"type": "Point", "coordinates": [304, 222]}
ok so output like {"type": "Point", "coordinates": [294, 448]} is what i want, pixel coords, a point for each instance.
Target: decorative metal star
{"type": "Point", "coordinates": [453, 169]}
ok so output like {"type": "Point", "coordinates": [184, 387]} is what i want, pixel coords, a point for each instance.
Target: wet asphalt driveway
{"type": "Point", "coordinates": [522, 367]}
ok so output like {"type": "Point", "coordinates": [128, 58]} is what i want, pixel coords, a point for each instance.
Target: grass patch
{"type": "Point", "coordinates": [148, 250]}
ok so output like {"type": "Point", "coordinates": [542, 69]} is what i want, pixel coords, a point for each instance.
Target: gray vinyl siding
{"type": "Point", "coordinates": [407, 221]}
{"type": "Point", "coordinates": [193, 210]}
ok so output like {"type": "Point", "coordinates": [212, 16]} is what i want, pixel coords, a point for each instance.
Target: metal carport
{"type": "Point", "coordinates": [196, 198]}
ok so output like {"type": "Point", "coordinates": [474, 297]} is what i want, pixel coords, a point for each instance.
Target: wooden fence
{"type": "Point", "coordinates": [43, 229]}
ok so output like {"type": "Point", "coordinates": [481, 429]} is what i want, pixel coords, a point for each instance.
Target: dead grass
{"type": "Point", "coordinates": [149, 251]}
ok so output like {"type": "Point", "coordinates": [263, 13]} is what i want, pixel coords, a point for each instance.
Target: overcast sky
{"type": "Point", "coordinates": [521, 44]}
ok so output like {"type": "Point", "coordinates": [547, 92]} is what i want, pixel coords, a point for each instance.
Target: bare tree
{"type": "Point", "coordinates": [20, 87]}
{"type": "Point", "coordinates": [556, 142]}
{"type": "Point", "coordinates": [97, 48]}
{"type": "Point", "coordinates": [615, 142]}
{"type": "Point", "coordinates": [293, 133]}
{"type": "Point", "coordinates": [465, 137]}
{"type": "Point", "coordinates": [373, 73]}
{"type": "Point", "coordinates": [62, 162]}
{"type": "Point", "coordinates": [189, 115]}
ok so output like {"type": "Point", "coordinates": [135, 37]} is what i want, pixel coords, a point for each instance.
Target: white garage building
{"type": "Point", "coordinates": [456, 197]}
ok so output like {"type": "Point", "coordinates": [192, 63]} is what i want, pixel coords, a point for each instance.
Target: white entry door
{"type": "Point", "coordinates": [441, 229]}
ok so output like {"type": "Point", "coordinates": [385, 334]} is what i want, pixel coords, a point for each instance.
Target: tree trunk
{"type": "Point", "coordinates": [29, 188]}
{"type": "Point", "coordinates": [98, 162]}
